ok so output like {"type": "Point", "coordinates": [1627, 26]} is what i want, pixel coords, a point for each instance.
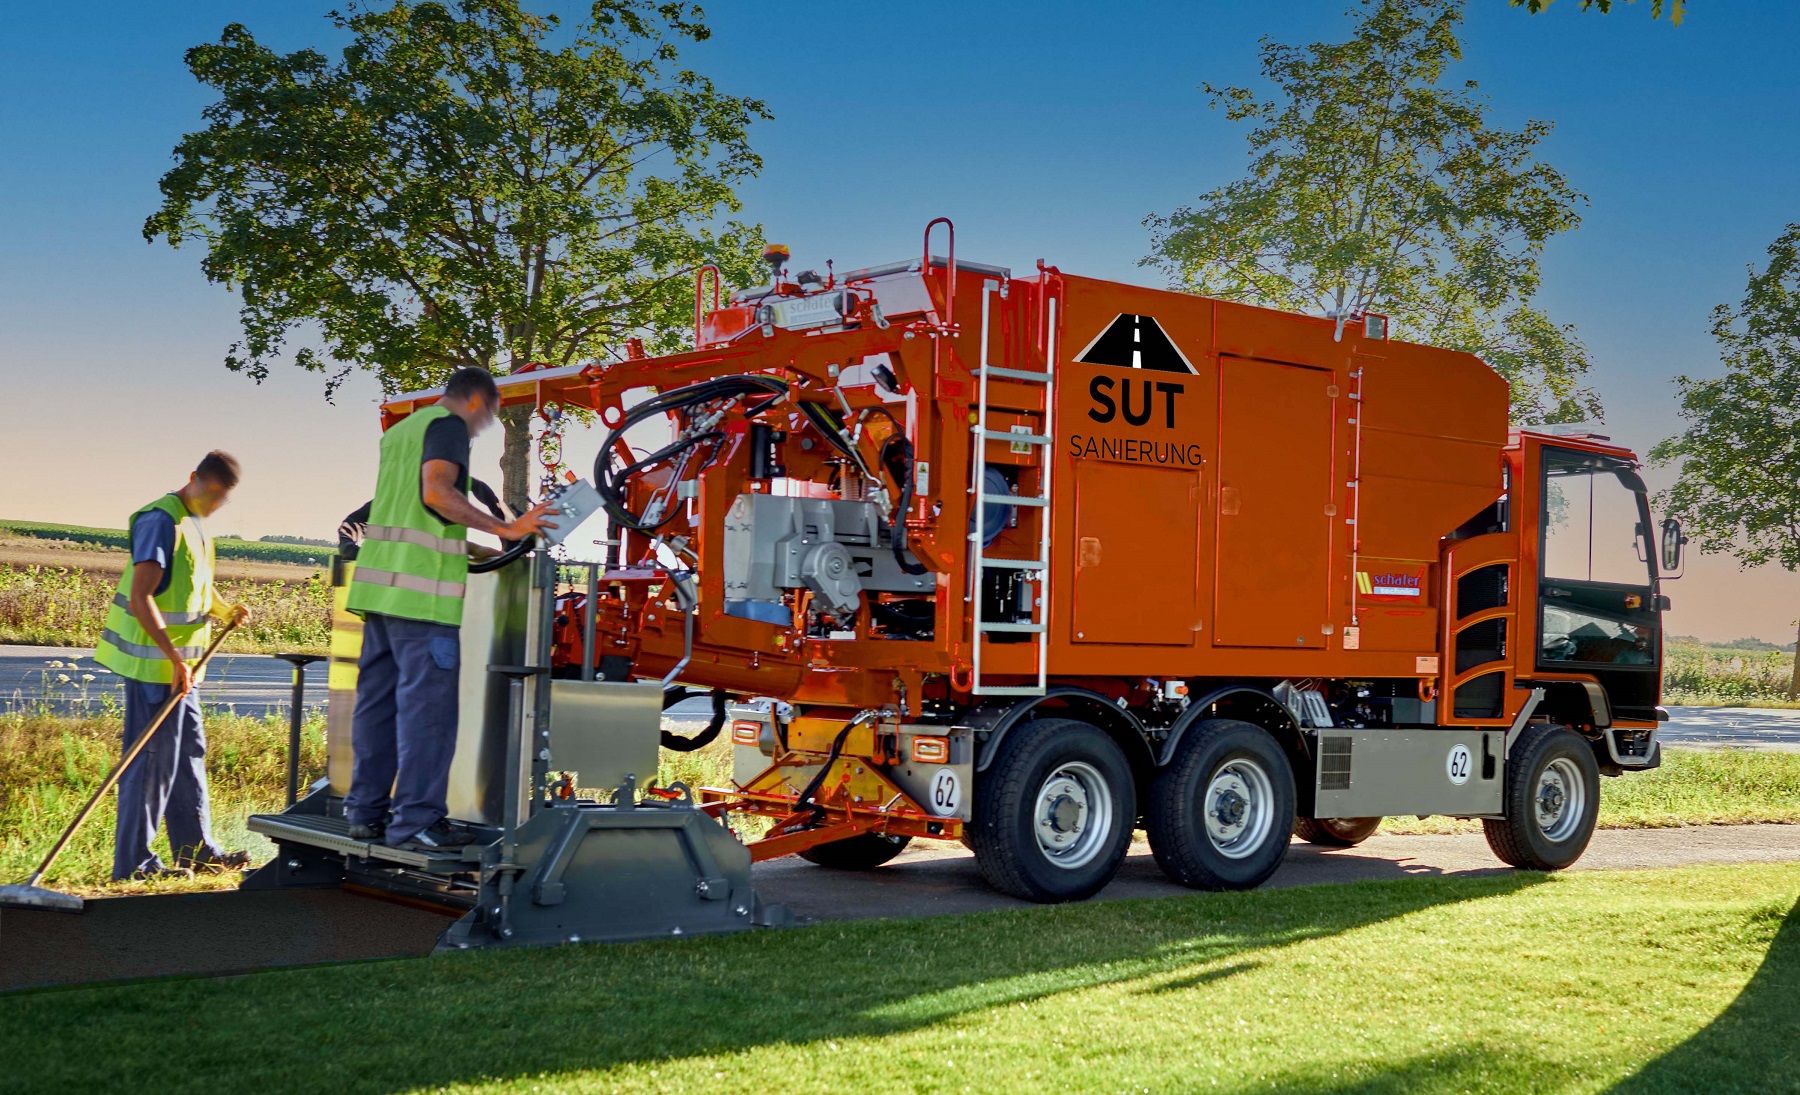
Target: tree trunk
{"type": "Point", "coordinates": [515, 457]}
{"type": "Point", "coordinates": [1794, 681]}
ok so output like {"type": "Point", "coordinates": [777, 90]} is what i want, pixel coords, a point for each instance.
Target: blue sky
{"type": "Point", "coordinates": [1045, 129]}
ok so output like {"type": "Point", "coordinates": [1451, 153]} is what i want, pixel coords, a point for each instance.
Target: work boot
{"type": "Point", "coordinates": [223, 863]}
{"type": "Point", "coordinates": [367, 830]}
{"type": "Point", "coordinates": [445, 833]}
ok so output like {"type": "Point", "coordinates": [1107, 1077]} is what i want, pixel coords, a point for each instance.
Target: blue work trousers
{"type": "Point", "coordinates": [403, 734]}
{"type": "Point", "coordinates": [165, 784]}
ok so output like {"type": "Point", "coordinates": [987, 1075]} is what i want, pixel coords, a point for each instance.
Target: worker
{"type": "Point", "coordinates": [159, 625]}
{"type": "Point", "coordinates": [408, 587]}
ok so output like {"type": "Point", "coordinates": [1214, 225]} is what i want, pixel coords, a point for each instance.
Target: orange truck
{"type": "Point", "coordinates": [1035, 562]}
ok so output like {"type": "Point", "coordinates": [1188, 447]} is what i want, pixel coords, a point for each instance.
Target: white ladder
{"type": "Point", "coordinates": [1036, 571]}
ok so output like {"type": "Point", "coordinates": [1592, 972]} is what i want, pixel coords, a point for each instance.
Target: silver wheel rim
{"type": "Point", "coordinates": [1560, 800]}
{"type": "Point", "coordinates": [1073, 815]}
{"type": "Point", "coordinates": [1238, 808]}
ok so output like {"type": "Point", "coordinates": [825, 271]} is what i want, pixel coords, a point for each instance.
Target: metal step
{"type": "Point", "coordinates": [1013, 564]}
{"type": "Point", "coordinates": [1021, 438]}
{"type": "Point", "coordinates": [333, 834]}
{"type": "Point", "coordinates": [1026, 628]}
{"type": "Point", "coordinates": [1007, 690]}
{"type": "Point", "coordinates": [982, 498]}
{"type": "Point", "coordinates": [1016, 374]}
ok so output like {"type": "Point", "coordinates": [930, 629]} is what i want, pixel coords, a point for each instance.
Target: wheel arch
{"type": "Point", "coordinates": [1079, 703]}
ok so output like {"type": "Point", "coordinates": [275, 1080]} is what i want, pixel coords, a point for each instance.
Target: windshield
{"type": "Point", "coordinates": [1594, 525]}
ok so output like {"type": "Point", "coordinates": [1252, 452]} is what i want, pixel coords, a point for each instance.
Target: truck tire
{"type": "Point", "coordinates": [858, 853]}
{"type": "Point", "coordinates": [1551, 799]}
{"type": "Point", "coordinates": [1336, 832]}
{"type": "Point", "coordinates": [1221, 811]}
{"type": "Point", "coordinates": [1053, 813]}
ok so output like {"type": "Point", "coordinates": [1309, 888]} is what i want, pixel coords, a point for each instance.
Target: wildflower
{"type": "Point", "coordinates": [55, 664]}
{"type": "Point", "coordinates": [87, 676]}
{"type": "Point", "coordinates": [62, 678]}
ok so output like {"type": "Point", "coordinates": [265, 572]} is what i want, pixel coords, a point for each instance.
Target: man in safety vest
{"type": "Point", "coordinates": [159, 625]}
{"type": "Point", "coordinates": [408, 587]}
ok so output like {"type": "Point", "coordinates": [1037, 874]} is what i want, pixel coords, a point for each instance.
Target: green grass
{"type": "Point", "coordinates": [1693, 787]}
{"type": "Point", "coordinates": [1705, 676]}
{"type": "Point", "coordinates": [67, 606]}
{"type": "Point", "coordinates": [225, 547]}
{"type": "Point", "coordinates": [1639, 982]}
{"type": "Point", "coordinates": [49, 765]}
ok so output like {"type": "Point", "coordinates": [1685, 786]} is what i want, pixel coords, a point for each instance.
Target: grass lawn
{"type": "Point", "coordinates": [1664, 981]}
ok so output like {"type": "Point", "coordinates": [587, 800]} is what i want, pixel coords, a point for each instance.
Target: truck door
{"type": "Point", "coordinates": [1596, 590]}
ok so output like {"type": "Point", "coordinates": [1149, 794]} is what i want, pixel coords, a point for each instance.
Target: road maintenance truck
{"type": "Point", "coordinates": [1032, 562]}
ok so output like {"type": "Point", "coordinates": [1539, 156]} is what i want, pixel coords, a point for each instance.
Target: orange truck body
{"type": "Point", "coordinates": [1237, 496]}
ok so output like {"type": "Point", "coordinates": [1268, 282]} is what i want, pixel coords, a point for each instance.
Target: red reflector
{"type": "Point", "coordinates": [746, 733]}
{"type": "Point", "coordinates": [931, 750]}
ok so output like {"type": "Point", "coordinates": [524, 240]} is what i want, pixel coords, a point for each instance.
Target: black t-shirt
{"type": "Point", "coordinates": [447, 438]}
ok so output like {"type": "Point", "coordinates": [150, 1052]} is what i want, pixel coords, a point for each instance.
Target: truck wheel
{"type": "Point", "coordinates": [858, 853]}
{"type": "Point", "coordinates": [1336, 832]}
{"type": "Point", "coordinates": [1053, 813]}
{"type": "Point", "coordinates": [1552, 799]}
{"type": "Point", "coordinates": [1221, 812]}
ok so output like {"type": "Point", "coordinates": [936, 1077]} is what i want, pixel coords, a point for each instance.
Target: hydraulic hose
{"type": "Point", "coordinates": [705, 737]}
{"type": "Point", "coordinates": [611, 481]}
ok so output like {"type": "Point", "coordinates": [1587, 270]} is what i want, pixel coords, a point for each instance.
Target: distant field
{"type": "Point", "coordinates": [223, 547]}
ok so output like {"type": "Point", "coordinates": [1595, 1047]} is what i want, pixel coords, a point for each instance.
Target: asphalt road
{"type": "Point", "coordinates": [118, 937]}
{"type": "Point", "coordinates": [255, 684]}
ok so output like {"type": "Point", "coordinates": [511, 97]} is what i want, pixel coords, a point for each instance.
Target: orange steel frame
{"type": "Point", "coordinates": [1413, 440]}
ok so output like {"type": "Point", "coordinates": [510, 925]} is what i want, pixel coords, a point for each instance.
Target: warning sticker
{"type": "Point", "coordinates": [1425, 664]}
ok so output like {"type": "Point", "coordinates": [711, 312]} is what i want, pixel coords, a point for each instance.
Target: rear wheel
{"type": "Point", "coordinates": [858, 853]}
{"type": "Point", "coordinates": [1221, 812]}
{"type": "Point", "coordinates": [1053, 813]}
{"type": "Point", "coordinates": [1336, 832]}
{"type": "Point", "coordinates": [1552, 799]}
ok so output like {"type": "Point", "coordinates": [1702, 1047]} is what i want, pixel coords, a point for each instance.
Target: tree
{"type": "Point", "coordinates": [1374, 187]}
{"type": "Point", "coordinates": [468, 184]}
{"type": "Point", "coordinates": [1738, 491]}
{"type": "Point", "coordinates": [1675, 8]}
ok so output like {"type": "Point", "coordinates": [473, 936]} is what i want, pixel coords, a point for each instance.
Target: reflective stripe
{"type": "Point", "coordinates": [171, 619]}
{"type": "Point", "coordinates": [137, 650]}
{"type": "Point", "coordinates": [409, 582]}
{"type": "Point", "coordinates": [418, 538]}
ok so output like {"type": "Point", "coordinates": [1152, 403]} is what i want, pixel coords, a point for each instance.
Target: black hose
{"type": "Point", "coordinates": [897, 456]}
{"type": "Point", "coordinates": [510, 555]}
{"type": "Point", "coordinates": [805, 801]}
{"type": "Point", "coordinates": [679, 744]}
{"type": "Point", "coordinates": [610, 482]}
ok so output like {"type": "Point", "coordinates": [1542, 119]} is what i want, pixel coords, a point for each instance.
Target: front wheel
{"type": "Point", "coordinates": [1053, 813]}
{"type": "Point", "coordinates": [1221, 812]}
{"type": "Point", "coordinates": [1336, 832]}
{"type": "Point", "coordinates": [1552, 800]}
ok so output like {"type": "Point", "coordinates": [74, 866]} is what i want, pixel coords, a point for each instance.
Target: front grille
{"type": "Point", "coordinates": [1334, 764]}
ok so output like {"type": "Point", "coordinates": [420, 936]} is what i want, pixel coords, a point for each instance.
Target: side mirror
{"type": "Point", "coordinates": [1672, 542]}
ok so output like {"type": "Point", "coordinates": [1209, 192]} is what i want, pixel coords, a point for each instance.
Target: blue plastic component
{"type": "Point", "coordinates": [768, 612]}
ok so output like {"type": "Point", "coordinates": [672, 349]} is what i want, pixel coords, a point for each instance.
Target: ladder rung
{"type": "Point", "coordinates": [1021, 438]}
{"type": "Point", "coordinates": [1029, 628]}
{"type": "Point", "coordinates": [982, 498]}
{"type": "Point", "coordinates": [1017, 374]}
{"type": "Point", "coordinates": [1006, 690]}
{"type": "Point", "coordinates": [1014, 564]}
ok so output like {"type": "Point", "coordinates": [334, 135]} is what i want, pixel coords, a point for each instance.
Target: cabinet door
{"type": "Point", "coordinates": [1275, 518]}
{"type": "Point", "coordinates": [1136, 554]}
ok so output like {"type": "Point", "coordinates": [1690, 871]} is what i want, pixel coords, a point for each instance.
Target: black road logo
{"type": "Point", "coordinates": [1136, 342]}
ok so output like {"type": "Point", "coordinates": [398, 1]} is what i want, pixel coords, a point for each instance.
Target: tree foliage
{"type": "Point", "coordinates": [1376, 185]}
{"type": "Point", "coordinates": [1675, 8]}
{"type": "Point", "coordinates": [467, 184]}
{"type": "Point", "coordinates": [1739, 486]}
{"type": "Point", "coordinates": [1738, 491]}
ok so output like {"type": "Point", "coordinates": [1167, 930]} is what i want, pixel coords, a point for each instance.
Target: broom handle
{"type": "Point", "coordinates": [112, 777]}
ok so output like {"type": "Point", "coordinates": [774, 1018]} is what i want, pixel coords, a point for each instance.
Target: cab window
{"type": "Point", "coordinates": [1594, 528]}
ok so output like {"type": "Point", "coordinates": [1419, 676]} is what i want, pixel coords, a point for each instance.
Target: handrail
{"type": "Point", "coordinates": [699, 291]}
{"type": "Point", "coordinates": [950, 281]}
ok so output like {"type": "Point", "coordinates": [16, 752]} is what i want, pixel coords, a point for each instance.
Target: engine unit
{"type": "Point", "coordinates": [838, 549]}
